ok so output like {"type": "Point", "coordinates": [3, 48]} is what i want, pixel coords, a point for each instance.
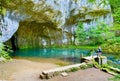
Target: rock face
{"type": "Point", "coordinates": [9, 26]}
{"type": "Point", "coordinates": [33, 34]}
{"type": "Point", "coordinates": [60, 29]}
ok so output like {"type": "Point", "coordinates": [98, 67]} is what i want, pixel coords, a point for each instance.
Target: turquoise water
{"type": "Point", "coordinates": [72, 55]}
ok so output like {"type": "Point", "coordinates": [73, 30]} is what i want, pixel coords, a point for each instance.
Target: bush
{"type": "Point", "coordinates": [74, 69]}
{"type": "Point", "coordinates": [115, 78]}
{"type": "Point", "coordinates": [94, 35]}
{"type": "Point", "coordinates": [114, 40]}
{"type": "Point", "coordinates": [83, 67]}
{"type": "Point", "coordinates": [4, 52]}
{"type": "Point", "coordinates": [90, 65]}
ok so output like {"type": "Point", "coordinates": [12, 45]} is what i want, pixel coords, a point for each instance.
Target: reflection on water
{"type": "Point", "coordinates": [72, 55]}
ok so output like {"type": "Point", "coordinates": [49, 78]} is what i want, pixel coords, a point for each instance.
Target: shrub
{"type": "Point", "coordinates": [115, 78]}
{"type": "Point", "coordinates": [90, 65]}
{"type": "Point", "coordinates": [83, 67]}
{"type": "Point", "coordinates": [4, 52]}
{"type": "Point", "coordinates": [94, 35]}
{"type": "Point", "coordinates": [114, 40]}
{"type": "Point", "coordinates": [74, 69]}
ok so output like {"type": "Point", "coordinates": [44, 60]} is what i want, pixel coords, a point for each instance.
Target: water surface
{"type": "Point", "coordinates": [71, 55]}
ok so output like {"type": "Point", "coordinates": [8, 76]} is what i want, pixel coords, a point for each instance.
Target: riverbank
{"type": "Point", "coordinates": [26, 70]}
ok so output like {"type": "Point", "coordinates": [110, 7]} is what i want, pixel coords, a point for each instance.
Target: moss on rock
{"type": "Point", "coordinates": [98, 12]}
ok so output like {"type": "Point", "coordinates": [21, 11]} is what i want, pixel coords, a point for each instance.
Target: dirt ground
{"type": "Point", "coordinates": [91, 74]}
{"type": "Point", "coordinates": [25, 70]}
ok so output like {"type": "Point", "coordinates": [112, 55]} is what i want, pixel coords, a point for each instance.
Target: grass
{"type": "Point", "coordinates": [74, 69]}
{"type": "Point", "coordinates": [115, 78]}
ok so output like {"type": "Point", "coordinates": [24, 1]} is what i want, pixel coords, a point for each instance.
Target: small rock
{"type": "Point", "coordinates": [42, 76]}
{"type": "Point", "coordinates": [64, 74]}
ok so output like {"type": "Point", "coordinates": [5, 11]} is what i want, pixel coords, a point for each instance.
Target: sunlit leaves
{"type": "Point", "coordinates": [4, 53]}
{"type": "Point", "coordinates": [80, 32]}
{"type": "Point", "coordinates": [114, 4]}
{"type": "Point", "coordinates": [97, 34]}
{"type": "Point", "coordinates": [91, 1]}
{"type": "Point", "coordinates": [117, 15]}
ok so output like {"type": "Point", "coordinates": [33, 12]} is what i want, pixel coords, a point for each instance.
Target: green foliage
{"type": "Point", "coordinates": [114, 40]}
{"type": "Point", "coordinates": [3, 11]}
{"type": "Point", "coordinates": [74, 69]}
{"type": "Point", "coordinates": [112, 48]}
{"type": "Point", "coordinates": [92, 1]}
{"type": "Point", "coordinates": [3, 3]}
{"type": "Point", "coordinates": [80, 32]}
{"type": "Point", "coordinates": [90, 65]}
{"type": "Point", "coordinates": [96, 64]}
{"type": "Point", "coordinates": [115, 5]}
{"type": "Point", "coordinates": [4, 52]}
{"type": "Point", "coordinates": [109, 69]}
{"type": "Point", "coordinates": [83, 67]}
{"type": "Point", "coordinates": [100, 33]}
{"type": "Point", "coordinates": [115, 78]}
{"type": "Point", "coordinates": [97, 35]}
{"type": "Point", "coordinates": [116, 15]}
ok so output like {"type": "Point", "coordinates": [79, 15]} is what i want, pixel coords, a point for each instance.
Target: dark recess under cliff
{"type": "Point", "coordinates": [33, 34]}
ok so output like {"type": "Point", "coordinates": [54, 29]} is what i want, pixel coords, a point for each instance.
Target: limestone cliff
{"type": "Point", "coordinates": [55, 22]}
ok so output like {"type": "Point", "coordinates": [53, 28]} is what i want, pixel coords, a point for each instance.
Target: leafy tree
{"type": "Point", "coordinates": [98, 34]}
{"type": "Point", "coordinates": [80, 32]}
{"type": "Point", "coordinates": [115, 5]}
{"type": "Point", "coordinates": [116, 15]}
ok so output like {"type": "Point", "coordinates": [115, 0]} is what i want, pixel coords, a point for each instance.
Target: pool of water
{"type": "Point", "coordinates": [71, 55]}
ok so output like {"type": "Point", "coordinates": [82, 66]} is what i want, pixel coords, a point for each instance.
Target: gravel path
{"type": "Point", "coordinates": [91, 74]}
{"type": "Point", "coordinates": [24, 70]}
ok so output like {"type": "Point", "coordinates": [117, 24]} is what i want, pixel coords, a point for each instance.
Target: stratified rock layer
{"type": "Point", "coordinates": [59, 28]}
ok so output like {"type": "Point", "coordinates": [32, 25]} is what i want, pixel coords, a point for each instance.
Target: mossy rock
{"type": "Point", "coordinates": [90, 65]}
{"type": "Point", "coordinates": [83, 67]}
{"type": "Point", "coordinates": [74, 69]}
{"type": "Point", "coordinates": [98, 12]}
